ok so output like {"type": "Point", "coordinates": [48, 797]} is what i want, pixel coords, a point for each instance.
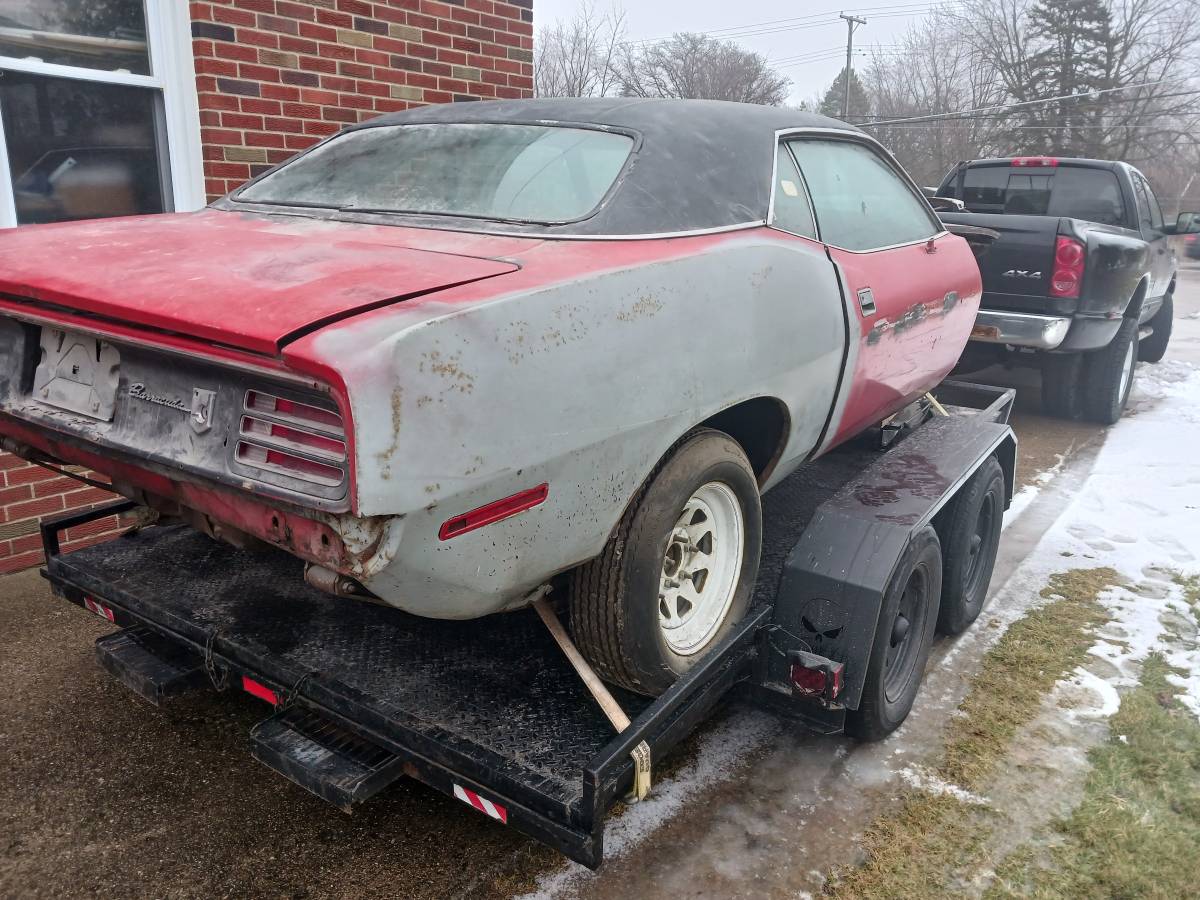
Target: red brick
{"type": "Point", "coordinates": [258, 73]}
{"type": "Point", "coordinates": [262, 6]}
{"type": "Point", "coordinates": [237, 51]}
{"type": "Point", "coordinates": [19, 562]}
{"type": "Point", "coordinates": [295, 10]}
{"type": "Point", "coordinates": [302, 110]}
{"type": "Point", "coordinates": [28, 475]}
{"type": "Point", "coordinates": [241, 120]}
{"type": "Point", "coordinates": [15, 494]}
{"type": "Point", "coordinates": [232, 16]}
{"type": "Point", "coordinates": [87, 496]}
{"type": "Point", "coordinates": [260, 107]}
{"type": "Point", "coordinates": [8, 461]}
{"type": "Point", "coordinates": [263, 139]}
{"type": "Point", "coordinates": [258, 38]}
{"type": "Point", "coordinates": [59, 484]}
{"type": "Point", "coordinates": [32, 509]}
{"type": "Point", "coordinates": [312, 95]}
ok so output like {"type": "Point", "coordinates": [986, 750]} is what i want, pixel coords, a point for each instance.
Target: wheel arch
{"type": "Point", "coordinates": [1134, 309]}
{"type": "Point", "coordinates": [761, 426]}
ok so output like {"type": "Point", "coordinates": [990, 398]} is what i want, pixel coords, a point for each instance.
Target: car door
{"type": "Point", "coordinates": [1162, 256]}
{"type": "Point", "coordinates": [913, 289]}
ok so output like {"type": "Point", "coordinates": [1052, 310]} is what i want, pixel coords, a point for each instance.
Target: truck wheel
{"type": "Point", "coordinates": [903, 637]}
{"type": "Point", "coordinates": [679, 571]}
{"type": "Point", "coordinates": [1154, 348]}
{"type": "Point", "coordinates": [970, 540]}
{"type": "Point", "coordinates": [1062, 393]}
{"type": "Point", "coordinates": [1108, 376]}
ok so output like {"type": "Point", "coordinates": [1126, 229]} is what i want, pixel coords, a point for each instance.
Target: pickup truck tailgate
{"type": "Point", "coordinates": [1017, 267]}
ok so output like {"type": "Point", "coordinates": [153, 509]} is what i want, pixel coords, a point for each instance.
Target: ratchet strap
{"type": "Point", "coordinates": [612, 709]}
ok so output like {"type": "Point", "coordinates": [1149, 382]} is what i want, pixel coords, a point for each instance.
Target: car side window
{"type": "Point", "coordinates": [1156, 216]}
{"type": "Point", "coordinates": [861, 202]}
{"type": "Point", "coordinates": [793, 213]}
{"type": "Point", "coordinates": [1140, 194]}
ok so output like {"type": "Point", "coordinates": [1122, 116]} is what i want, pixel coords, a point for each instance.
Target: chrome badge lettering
{"type": "Point", "coordinates": [1022, 273]}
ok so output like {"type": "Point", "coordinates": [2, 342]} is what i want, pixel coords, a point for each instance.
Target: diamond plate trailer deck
{"type": "Point", "coordinates": [489, 711]}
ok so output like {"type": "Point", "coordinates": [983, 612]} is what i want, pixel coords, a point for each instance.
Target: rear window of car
{"type": "Point", "coordinates": [1071, 191]}
{"type": "Point", "coordinates": [523, 173]}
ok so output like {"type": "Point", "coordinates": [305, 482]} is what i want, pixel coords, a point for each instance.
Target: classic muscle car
{"type": "Point", "coordinates": [450, 354]}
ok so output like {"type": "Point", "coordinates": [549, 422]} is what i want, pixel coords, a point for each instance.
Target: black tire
{"type": "Point", "coordinates": [897, 665]}
{"type": "Point", "coordinates": [614, 599]}
{"type": "Point", "coordinates": [970, 536]}
{"type": "Point", "coordinates": [1154, 348]}
{"type": "Point", "coordinates": [1106, 379]}
{"type": "Point", "coordinates": [1062, 391]}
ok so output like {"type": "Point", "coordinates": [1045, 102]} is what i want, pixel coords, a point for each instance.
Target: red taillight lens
{"type": "Point", "coordinates": [815, 676]}
{"type": "Point", "coordinates": [1069, 259]}
{"type": "Point", "coordinates": [299, 440]}
{"type": "Point", "coordinates": [1032, 162]}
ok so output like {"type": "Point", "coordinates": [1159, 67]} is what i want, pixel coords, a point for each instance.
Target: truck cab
{"type": "Point", "coordinates": [1079, 281]}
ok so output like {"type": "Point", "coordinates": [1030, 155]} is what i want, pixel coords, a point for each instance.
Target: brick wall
{"type": "Point", "coordinates": [274, 76]}
{"type": "Point", "coordinates": [30, 493]}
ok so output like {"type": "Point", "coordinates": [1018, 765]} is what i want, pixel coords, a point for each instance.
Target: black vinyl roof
{"type": "Point", "coordinates": [698, 164]}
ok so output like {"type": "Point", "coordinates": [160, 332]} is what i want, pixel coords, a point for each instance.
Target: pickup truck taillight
{"type": "Point", "coordinates": [296, 439]}
{"type": "Point", "coordinates": [1069, 258]}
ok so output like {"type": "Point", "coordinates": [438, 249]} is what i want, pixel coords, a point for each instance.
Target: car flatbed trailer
{"type": "Point", "coordinates": [490, 711]}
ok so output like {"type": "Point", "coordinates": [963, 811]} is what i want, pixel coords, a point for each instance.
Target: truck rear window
{"type": "Point", "coordinates": [1078, 193]}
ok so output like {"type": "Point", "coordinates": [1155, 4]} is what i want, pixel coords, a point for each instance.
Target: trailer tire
{"type": "Point", "coordinates": [1062, 390]}
{"type": "Point", "coordinates": [970, 535]}
{"type": "Point", "coordinates": [1109, 373]}
{"type": "Point", "coordinates": [1154, 348]}
{"type": "Point", "coordinates": [617, 611]}
{"type": "Point", "coordinates": [903, 637]}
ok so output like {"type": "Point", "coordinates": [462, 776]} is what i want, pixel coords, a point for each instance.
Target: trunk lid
{"type": "Point", "coordinates": [246, 281]}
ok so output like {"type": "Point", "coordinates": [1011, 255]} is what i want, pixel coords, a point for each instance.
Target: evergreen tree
{"type": "Point", "coordinates": [1071, 43]}
{"type": "Point", "coordinates": [860, 103]}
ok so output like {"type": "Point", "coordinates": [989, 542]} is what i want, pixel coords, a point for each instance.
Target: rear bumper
{"type": "Point", "coordinates": [1020, 329]}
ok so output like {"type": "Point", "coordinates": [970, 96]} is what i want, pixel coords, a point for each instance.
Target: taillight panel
{"type": "Point", "coordinates": [302, 442]}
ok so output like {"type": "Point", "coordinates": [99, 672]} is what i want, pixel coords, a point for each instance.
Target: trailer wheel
{"type": "Point", "coordinates": [970, 539]}
{"type": "Point", "coordinates": [903, 637]}
{"type": "Point", "coordinates": [679, 571]}
{"type": "Point", "coordinates": [1154, 348]}
{"type": "Point", "coordinates": [1108, 377]}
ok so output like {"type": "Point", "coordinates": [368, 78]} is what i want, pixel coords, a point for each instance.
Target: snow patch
{"type": "Point", "coordinates": [723, 750]}
{"type": "Point", "coordinates": [924, 780]}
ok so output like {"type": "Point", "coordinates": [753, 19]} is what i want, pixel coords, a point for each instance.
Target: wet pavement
{"type": "Point", "coordinates": [102, 794]}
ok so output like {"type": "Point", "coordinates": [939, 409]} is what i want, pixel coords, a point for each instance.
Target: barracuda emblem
{"type": "Point", "coordinates": [200, 412]}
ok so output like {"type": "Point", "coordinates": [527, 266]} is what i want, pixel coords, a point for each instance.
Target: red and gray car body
{"type": "Point", "coordinates": [448, 409]}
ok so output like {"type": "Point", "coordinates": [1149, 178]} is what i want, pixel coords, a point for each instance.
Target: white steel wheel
{"type": "Point", "coordinates": [700, 568]}
{"type": "Point", "coordinates": [678, 573]}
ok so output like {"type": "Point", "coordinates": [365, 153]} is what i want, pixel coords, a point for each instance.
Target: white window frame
{"type": "Point", "coordinates": [169, 40]}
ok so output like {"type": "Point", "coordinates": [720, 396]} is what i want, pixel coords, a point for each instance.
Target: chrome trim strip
{"type": "Point", "coordinates": [1021, 329]}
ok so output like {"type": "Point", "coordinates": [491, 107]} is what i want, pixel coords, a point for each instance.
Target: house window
{"type": "Point", "coordinates": [97, 110]}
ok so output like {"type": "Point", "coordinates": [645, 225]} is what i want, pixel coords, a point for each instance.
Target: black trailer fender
{"type": "Point", "coordinates": [833, 582]}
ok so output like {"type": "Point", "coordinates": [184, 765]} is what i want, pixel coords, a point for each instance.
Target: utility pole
{"type": "Point", "coordinates": [851, 22]}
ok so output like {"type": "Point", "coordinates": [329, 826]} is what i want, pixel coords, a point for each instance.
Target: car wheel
{"type": "Point", "coordinates": [970, 540]}
{"type": "Point", "coordinates": [903, 637]}
{"type": "Point", "coordinates": [1154, 348]}
{"type": "Point", "coordinates": [679, 571]}
{"type": "Point", "coordinates": [1062, 394]}
{"type": "Point", "coordinates": [1108, 376]}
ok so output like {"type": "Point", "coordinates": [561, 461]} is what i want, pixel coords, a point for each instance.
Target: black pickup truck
{"type": "Point", "coordinates": [1079, 281]}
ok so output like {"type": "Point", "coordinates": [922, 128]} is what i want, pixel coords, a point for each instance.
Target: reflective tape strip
{"type": "Point", "coordinates": [99, 609]}
{"type": "Point", "coordinates": [485, 806]}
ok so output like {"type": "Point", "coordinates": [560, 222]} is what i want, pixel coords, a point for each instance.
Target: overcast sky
{"type": "Point", "coordinates": [777, 29]}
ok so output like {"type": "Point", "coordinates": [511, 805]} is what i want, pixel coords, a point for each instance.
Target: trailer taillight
{"type": "Point", "coordinates": [1069, 258]}
{"type": "Point", "coordinates": [816, 676]}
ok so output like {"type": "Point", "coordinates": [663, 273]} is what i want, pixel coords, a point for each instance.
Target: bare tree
{"type": "Point", "coordinates": [695, 66]}
{"type": "Point", "coordinates": [575, 58]}
{"type": "Point", "coordinates": [932, 71]}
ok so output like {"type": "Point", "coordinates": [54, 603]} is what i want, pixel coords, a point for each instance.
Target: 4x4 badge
{"type": "Point", "coordinates": [202, 409]}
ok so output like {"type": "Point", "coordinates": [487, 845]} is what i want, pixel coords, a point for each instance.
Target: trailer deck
{"type": "Point", "coordinates": [487, 710]}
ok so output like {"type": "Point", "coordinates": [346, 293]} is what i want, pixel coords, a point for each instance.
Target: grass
{"type": "Point", "coordinates": [1191, 589]}
{"type": "Point", "coordinates": [1137, 831]}
{"type": "Point", "coordinates": [917, 849]}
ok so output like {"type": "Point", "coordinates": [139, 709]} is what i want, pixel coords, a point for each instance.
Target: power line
{"type": "Point", "coordinates": [1004, 106]}
{"type": "Point", "coordinates": [924, 122]}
